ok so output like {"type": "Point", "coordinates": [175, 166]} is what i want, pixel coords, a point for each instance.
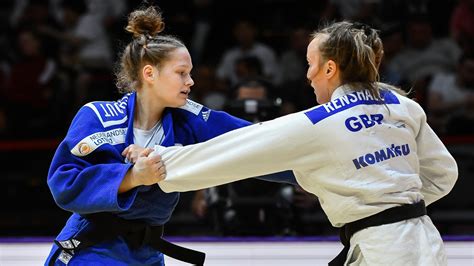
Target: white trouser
{"type": "Point", "coordinates": [411, 242]}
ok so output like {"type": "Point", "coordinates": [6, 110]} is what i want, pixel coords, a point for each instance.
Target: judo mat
{"type": "Point", "coordinates": [236, 251]}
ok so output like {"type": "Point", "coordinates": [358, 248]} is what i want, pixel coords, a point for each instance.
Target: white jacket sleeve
{"type": "Point", "coordinates": [438, 169]}
{"type": "Point", "coordinates": [259, 149]}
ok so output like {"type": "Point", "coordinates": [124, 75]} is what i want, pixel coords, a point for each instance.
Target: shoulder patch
{"type": "Point", "coordinates": [192, 106]}
{"type": "Point", "coordinates": [348, 101]}
{"type": "Point", "coordinates": [90, 143]}
{"type": "Point", "coordinates": [109, 113]}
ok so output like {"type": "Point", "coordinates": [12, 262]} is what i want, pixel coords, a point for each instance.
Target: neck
{"type": "Point", "coordinates": [333, 85]}
{"type": "Point", "coordinates": [147, 111]}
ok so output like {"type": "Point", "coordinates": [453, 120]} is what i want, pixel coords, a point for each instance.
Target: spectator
{"type": "Point", "coordinates": [85, 49]}
{"type": "Point", "coordinates": [293, 61]}
{"type": "Point", "coordinates": [296, 93]}
{"type": "Point", "coordinates": [451, 99]}
{"type": "Point", "coordinates": [248, 68]}
{"type": "Point", "coordinates": [245, 34]}
{"type": "Point", "coordinates": [423, 55]}
{"type": "Point", "coordinates": [205, 89]}
{"type": "Point", "coordinates": [202, 29]}
{"type": "Point", "coordinates": [109, 10]}
{"type": "Point", "coordinates": [111, 14]}
{"type": "Point", "coordinates": [462, 20]}
{"type": "Point", "coordinates": [86, 34]}
{"type": "Point", "coordinates": [392, 38]}
{"type": "Point", "coordinates": [356, 10]}
{"type": "Point", "coordinates": [248, 207]}
{"type": "Point", "coordinates": [37, 14]}
{"type": "Point", "coordinates": [29, 97]}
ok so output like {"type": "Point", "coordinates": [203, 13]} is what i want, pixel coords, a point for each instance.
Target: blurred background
{"type": "Point", "coordinates": [249, 59]}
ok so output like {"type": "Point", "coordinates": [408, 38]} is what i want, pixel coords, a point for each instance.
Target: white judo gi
{"type": "Point", "coordinates": [359, 156]}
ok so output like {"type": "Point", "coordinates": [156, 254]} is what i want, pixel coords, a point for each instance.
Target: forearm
{"type": "Point", "coordinates": [438, 169]}
{"type": "Point", "coordinates": [247, 152]}
{"type": "Point", "coordinates": [439, 178]}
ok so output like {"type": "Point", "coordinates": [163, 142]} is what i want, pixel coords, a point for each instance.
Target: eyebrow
{"type": "Point", "coordinates": [184, 65]}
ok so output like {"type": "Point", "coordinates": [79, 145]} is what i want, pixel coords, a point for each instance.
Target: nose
{"type": "Point", "coordinates": [190, 82]}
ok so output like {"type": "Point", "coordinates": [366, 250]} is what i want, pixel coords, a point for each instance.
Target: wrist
{"type": "Point", "coordinates": [134, 181]}
{"type": "Point", "coordinates": [128, 182]}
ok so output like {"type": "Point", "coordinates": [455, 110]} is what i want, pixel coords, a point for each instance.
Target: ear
{"type": "Point", "coordinates": [148, 73]}
{"type": "Point", "coordinates": [331, 69]}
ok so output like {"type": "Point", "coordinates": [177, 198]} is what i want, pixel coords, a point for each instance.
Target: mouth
{"type": "Point", "coordinates": [185, 92]}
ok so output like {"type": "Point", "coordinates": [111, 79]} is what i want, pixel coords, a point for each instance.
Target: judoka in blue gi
{"type": "Point", "coordinates": [90, 175]}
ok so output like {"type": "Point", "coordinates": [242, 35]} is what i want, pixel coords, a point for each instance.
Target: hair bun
{"type": "Point", "coordinates": [145, 22]}
{"type": "Point", "coordinates": [364, 27]}
{"type": "Point", "coordinates": [370, 33]}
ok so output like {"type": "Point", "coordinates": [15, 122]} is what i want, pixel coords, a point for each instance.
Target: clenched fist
{"type": "Point", "coordinates": [147, 170]}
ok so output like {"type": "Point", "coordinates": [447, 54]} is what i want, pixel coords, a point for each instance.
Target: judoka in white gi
{"type": "Point", "coordinates": [365, 149]}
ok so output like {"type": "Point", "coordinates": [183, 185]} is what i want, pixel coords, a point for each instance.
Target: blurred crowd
{"type": "Point", "coordinates": [56, 55]}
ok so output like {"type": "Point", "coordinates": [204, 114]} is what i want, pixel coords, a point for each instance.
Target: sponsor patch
{"type": "Point", "coordinates": [90, 143]}
{"type": "Point", "coordinates": [192, 107]}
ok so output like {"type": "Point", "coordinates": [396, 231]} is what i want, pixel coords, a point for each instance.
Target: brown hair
{"type": "Point", "coordinates": [147, 47]}
{"type": "Point", "coordinates": [357, 50]}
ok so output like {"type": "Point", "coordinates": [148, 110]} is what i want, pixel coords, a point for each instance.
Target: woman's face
{"type": "Point", "coordinates": [172, 82]}
{"type": "Point", "coordinates": [316, 69]}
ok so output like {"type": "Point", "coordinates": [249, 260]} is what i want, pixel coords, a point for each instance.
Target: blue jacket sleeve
{"type": "Point", "coordinates": [90, 183]}
{"type": "Point", "coordinates": [280, 177]}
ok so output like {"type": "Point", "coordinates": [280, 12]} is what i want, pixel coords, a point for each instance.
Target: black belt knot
{"type": "Point", "coordinates": [141, 235]}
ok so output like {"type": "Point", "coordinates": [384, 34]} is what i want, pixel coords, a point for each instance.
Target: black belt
{"type": "Point", "coordinates": [392, 215]}
{"type": "Point", "coordinates": [106, 226]}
